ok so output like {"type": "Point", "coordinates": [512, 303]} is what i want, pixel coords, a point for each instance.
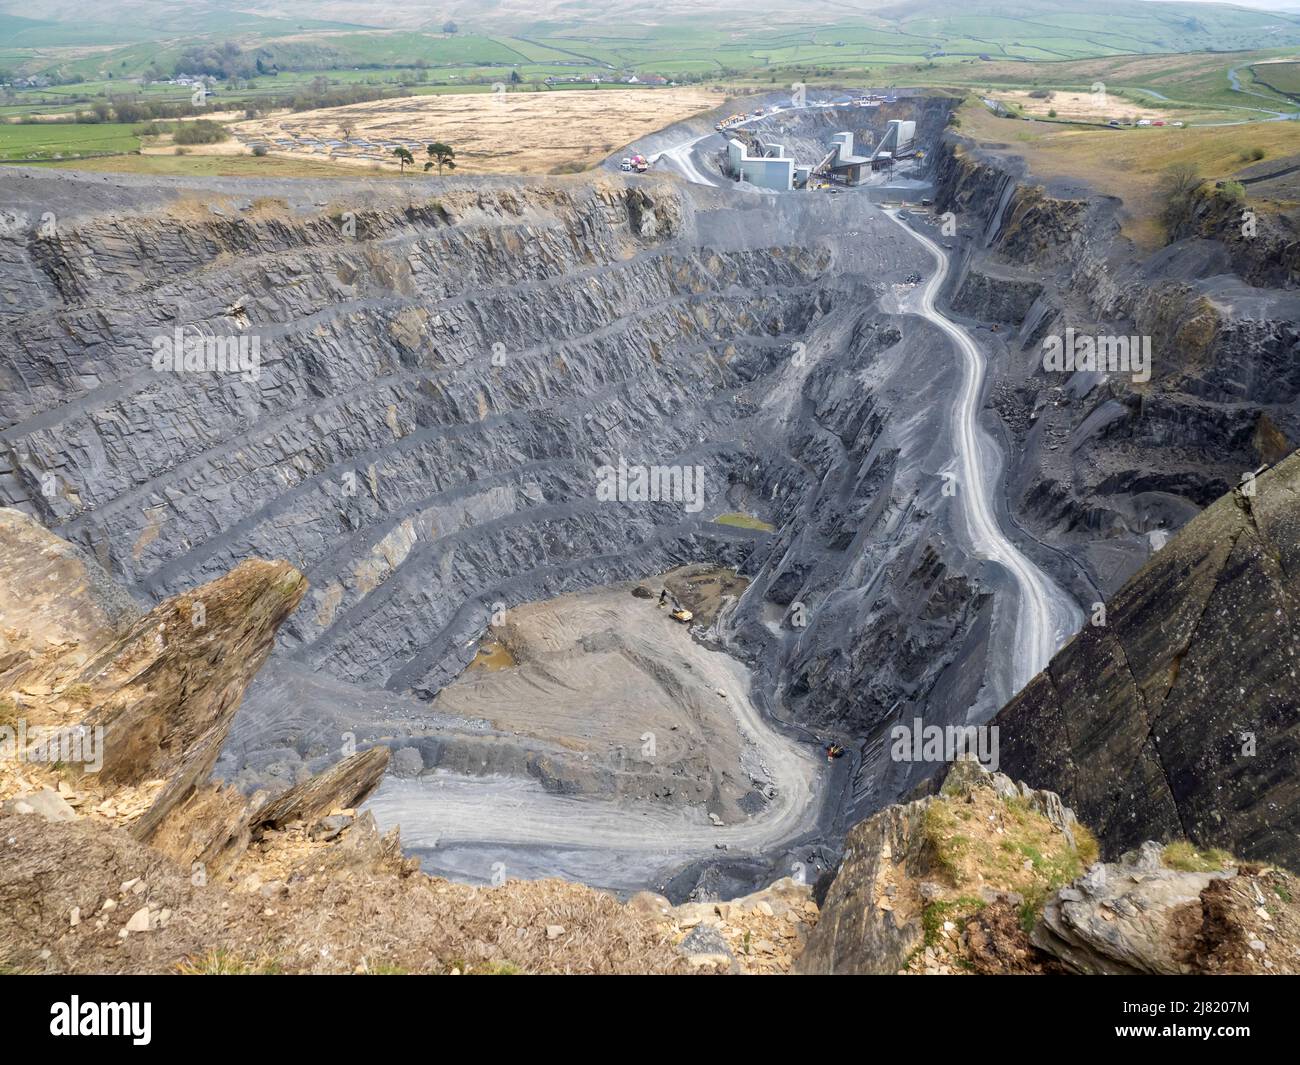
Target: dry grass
{"type": "Point", "coordinates": [227, 963]}
{"type": "Point", "coordinates": [196, 165]}
{"type": "Point", "coordinates": [1188, 858]}
{"type": "Point", "coordinates": [1079, 106]}
{"type": "Point", "coordinates": [1128, 163]}
{"type": "Point", "coordinates": [988, 842]}
{"type": "Point", "coordinates": [531, 133]}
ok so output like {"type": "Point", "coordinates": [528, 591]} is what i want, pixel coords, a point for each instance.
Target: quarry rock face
{"type": "Point", "coordinates": [1178, 716]}
{"type": "Point", "coordinates": [1266, 252]}
{"type": "Point", "coordinates": [1104, 466]}
{"type": "Point", "coordinates": [427, 387]}
{"type": "Point", "coordinates": [437, 382]}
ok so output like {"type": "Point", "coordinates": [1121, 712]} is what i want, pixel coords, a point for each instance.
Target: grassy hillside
{"type": "Point", "coordinates": [1130, 163]}
{"type": "Point", "coordinates": [1280, 77]}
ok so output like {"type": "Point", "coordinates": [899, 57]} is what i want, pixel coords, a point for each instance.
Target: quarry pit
{"type": "Point", "coordinates": [440, 383]}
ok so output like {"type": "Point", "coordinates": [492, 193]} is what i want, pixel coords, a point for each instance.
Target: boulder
{"type": "Point", "coordinates": [706, 947]}
{"type": "Point", "coordinates": [649, 904]}
{"type": "Point", "coordinates": [407, 762]}
{"type": "Point", "coordinates": [46, 803]}
{"type": "Point", "coordinates": [1133, 916]}
{"type": "Point", "coordinates": [341, 787]}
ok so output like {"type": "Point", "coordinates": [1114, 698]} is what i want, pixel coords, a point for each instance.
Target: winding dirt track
{"type": "Point", "coordinates": [1047, 617]}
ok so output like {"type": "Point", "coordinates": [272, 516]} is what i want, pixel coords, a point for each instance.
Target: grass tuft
{"type": "Point", "coordinates": [1187, 858]}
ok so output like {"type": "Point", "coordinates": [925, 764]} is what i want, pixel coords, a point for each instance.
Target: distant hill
{"type": "Point", "coordinates": [1032, 28]}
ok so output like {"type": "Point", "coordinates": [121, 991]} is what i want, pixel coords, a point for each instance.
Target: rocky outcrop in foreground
{"type": "Point", "coordinates": [759, 934]}
{"type": "Point", "coordinates": [136, 872]}
{"type": "Point", "coordinates": [912, 871]}
{"type": "Point", "coordinates": [989, 877]}
{"type": "Point", "coordinates": [1180, 715]}
{"type": "Point", "coordinates": [1139, 915]}
{"type": "Point", "coordinates": [137, 863]}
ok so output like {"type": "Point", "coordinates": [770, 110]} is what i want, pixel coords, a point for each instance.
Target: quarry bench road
{"type": "Point", "coordinates": [1046, 616]}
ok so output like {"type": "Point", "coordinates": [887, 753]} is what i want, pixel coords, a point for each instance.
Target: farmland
{"type": "Point", "coordinates": [1143, 54]}
{"type": "Point", "coordinates": [492, 133]}
{"type": "Point", "coordinates": [48, 141]}
{"type": "Point", "coordinates": [681, 40]}
{"type": "Point", "coordinates": [1279, 76]}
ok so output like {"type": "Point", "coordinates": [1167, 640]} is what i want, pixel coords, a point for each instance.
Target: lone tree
{"type": "Point", "coordinates": [440, 155]}
{"type": "Point", "coordinates": [403, 157]}
{"type": "Point", "coordinates": [449, 27]}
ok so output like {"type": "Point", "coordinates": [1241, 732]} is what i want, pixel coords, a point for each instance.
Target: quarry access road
{"type": "Point", "coordinates": [1047, 616]}
{"type": "Point", "coordinates": [681, 159]}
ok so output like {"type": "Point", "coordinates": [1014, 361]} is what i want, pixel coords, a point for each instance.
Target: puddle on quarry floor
{"type": "Point", "coordinates": [491, 656]}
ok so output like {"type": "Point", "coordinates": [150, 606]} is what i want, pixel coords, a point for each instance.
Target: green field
{"type": "Point", "coordinates": [1280, 77]}
{"type": "Point", "coordinates": [744, 521]}
{"type": "Point", "coordinates": [57, 140]}
{"type": "Point", "coordinates": [741, 41]}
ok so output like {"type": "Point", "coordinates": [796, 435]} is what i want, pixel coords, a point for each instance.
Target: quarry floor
{"type": "Point", "coordinates": [656, 755]}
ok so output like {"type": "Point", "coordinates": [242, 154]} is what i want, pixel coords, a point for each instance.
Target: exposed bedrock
{"type": "Point", "coordinates": [1260, 245]}
{"type": "Point", "coordinates": [1104, 465]}
{"type": "Point", "coordinates": [439, 380]}
{"type": "Point", "coordinates": [1176, 714]}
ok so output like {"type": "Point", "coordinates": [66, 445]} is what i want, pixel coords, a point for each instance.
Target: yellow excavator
{"type": "Point", "coordinates": [678, 612]}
